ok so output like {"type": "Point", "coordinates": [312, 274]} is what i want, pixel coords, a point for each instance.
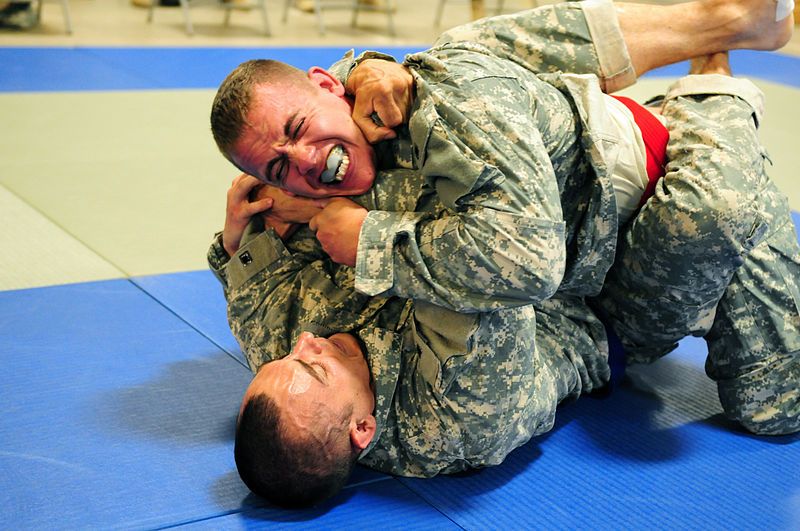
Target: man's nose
{"type": "Point", "coordinates": [304, 157]}
{"type": "Point", "coordinates": [307, 344]}
{"type": "Point", "coordinates": [304, 337]}
{"type": "Point", "coordinates": [303, 341]}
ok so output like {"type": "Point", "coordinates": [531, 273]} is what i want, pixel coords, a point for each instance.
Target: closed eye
{"type": "Point", "coordinates": [320, 369]}
{"type": "Point", "coordinates": [320, 375]}
{"type": "Point", "coordinates": [276, 169]}
{"type": "Point", "coordinates": [296, 131]}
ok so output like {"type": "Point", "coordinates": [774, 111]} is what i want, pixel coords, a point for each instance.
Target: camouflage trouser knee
{"type": "Point", "coordinates": [572, 342]}
{"type": "Point", "coordinates": [716, 234]}
{"type": "Point", "coordinates": [576, 37]}
{"type": "Point", "coordinates": [754, 343]}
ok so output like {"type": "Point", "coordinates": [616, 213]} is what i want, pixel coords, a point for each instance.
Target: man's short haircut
{"type": "Point", "coordinates": [234, 96]}
{"type": "Point", "coordinates": [290, 471]}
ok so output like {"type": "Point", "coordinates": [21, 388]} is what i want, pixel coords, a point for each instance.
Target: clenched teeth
{"type": "Point", "coordinates": [335, 166]}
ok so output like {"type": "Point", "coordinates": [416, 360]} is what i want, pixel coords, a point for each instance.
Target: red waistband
{"type": "Point", "coordinates": [655, 137]}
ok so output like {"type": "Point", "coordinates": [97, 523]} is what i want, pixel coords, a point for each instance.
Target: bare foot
{"type": "Point", "coordinates": [714, 63]}
{"type": "Point", "coordinates": [753, 23]}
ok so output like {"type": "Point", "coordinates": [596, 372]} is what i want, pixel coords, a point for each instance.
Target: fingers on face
{"type": "Point", "coordinates": [313, 223]}
{"type": "Point", "coordinates": [261, 205]}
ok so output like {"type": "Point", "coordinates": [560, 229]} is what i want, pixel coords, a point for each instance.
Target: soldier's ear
{"type": "Point", "coordinates": [326, 81]}
{"type": "Point", "coordinates": [362, 431]}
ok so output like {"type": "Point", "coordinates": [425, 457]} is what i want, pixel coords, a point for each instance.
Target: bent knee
{"type": "Point", "coordinates": [767, 421]}
{"type": "Point", "coordinates": [766, 401]}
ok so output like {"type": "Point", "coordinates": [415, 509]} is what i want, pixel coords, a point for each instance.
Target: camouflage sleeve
{"type": "Point", "coordinates": [500, 239]}
{"type": "Point", "coordinates": [275, 291]}
{"type": "Point", "coordinates": [341, 69]}
{"type": "Point", "coordinates": [217, 259]}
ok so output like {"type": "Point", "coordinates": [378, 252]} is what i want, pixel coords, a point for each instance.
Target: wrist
{"type": "Point", "coordinates": [229, 249]}
{"type": "Point", "coordinates": [217, 255]}
{"type": "Point", "coordinates": [358, 61]}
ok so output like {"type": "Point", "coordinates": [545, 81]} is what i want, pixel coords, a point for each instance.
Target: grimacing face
{"type": "Point", "coordinates": [305, 141]}
{"type": "Point", "coordinates": [319, 374]}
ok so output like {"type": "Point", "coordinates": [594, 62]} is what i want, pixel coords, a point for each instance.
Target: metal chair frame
{"type": "Point", "coordinates": [356, 5]}
{"type": "Point", "coordinates": [64, 10]}
{"type": "Point", "coordinates": [228, 6]}
{"type": "Point", "coordinates": [437, 19]}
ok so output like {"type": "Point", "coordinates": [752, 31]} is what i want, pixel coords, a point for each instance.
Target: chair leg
{"type": "Point", "coordinates": [286, 5]}
{"type": "Point", "coordinates": [318, 11]}
{"type": "Point", "coordinates": [187, 17]}
{"type": "Point", "coordinates": [227, 21]}
{"type": "Point", "coordinates": [356, 9]}
{"type": "Point", "coordinates": [478, 9]}
{"type": "Point", "coordinates": [390, 16]}
{"type": "Point", "coordinates": [437, 20]}
{"type": "Point", "coordinates": [67, 18]}
{"type": "Point", "coordinates": [264, 15]}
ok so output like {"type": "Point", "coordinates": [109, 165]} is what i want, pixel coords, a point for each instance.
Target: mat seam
{"type": "Point", "coordinates": [423, 498]}
{"type": "Point", "coordinates": [190, 325]}
{"type": "Point", "coordinates": [125, 274]}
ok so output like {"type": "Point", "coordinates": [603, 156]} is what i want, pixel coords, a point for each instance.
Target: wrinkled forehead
{"type": "Point", "coordinates": [269, 109]}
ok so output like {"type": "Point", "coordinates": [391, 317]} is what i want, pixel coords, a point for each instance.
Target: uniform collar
{"type": "Point", "coordinates": [385, 356]}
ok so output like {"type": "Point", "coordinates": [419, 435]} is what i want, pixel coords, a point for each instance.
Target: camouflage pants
{"type": "Point", "coordinates": [714, 253]}
{"type": "Point", "coordinates": [576, 37]}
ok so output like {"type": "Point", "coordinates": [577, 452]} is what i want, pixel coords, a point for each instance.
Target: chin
{"type": "Point", "coordinates": [360, 184]}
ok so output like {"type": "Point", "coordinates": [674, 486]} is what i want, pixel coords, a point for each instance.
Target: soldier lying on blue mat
{"type": "Point", "coordinates": [486, 256]}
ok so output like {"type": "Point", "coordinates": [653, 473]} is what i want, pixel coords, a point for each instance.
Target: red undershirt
{"type": "Point", "coordinates": [655, 137]}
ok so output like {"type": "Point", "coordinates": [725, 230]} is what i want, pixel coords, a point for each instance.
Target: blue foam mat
{"type": "Point", "coordinates": [129, 68]}
{"type": "Point", "coordinates": [655, 454]}
{"type": "Point", "coordinates": [771, 66]}
{"type": "Point", "coordinates": [87, 68]}
{"type": "Point", "coordinates": [117, 413]}
{"type": "Point", "coordinates": [197, 298]}
{"type": "Point", "coordinates": [114, 412]}
{"type": "Point", "coordinates": [385, 504]}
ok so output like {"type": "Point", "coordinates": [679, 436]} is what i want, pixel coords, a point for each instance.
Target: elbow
{"type": "Point", "coordinates": [546, 265]}
{"type": "Point", "coordinates": [551, 275]}
{"type": "Point", "coordinates": [535, 274]}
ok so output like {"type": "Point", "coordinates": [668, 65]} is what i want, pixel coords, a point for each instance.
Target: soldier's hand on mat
{"type": "Point", "coordinates": [337, 228]}
{"type": "Point", "coordinates": [383, 93]}
{"type": "Point", "coordinates": [240, 209]}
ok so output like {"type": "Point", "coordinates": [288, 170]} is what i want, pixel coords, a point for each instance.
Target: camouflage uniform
{"type": "Point", "coordinates": [497, 142]}
{"type": "Point", "coordinates": [714, 253]}
{"type": "Point", "coordinates": [459, 390]}
{"type": "Point", "coordinates": [518, 153]}
{"type": "Point", "coordinates": [453, 390]}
